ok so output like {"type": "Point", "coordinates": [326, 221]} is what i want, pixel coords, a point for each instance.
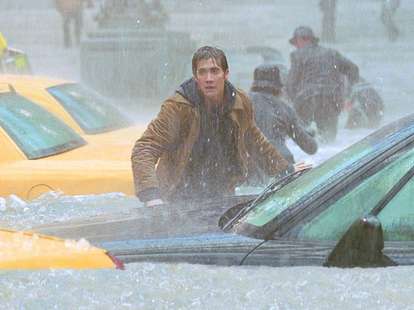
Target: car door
{"type": "Point", "coordinates": [310, 240]}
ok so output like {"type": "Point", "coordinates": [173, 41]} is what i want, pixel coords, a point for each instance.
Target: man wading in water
{"type": "Point", "coordinates": [199, 145]}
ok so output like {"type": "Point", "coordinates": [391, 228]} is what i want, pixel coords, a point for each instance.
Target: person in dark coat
{"type": "Point", "coordinates": [72, 12]}
{"type": "Point", "coordinates": [275, 118]}
{"type": "Point", "coordinates": [316, 80]}
{"type": "Point", "coordinates": [328, 9]}
{"type": "Point", "coordinates": [389, 7]}
{"type": "Point", "coordinates": [367, 106]}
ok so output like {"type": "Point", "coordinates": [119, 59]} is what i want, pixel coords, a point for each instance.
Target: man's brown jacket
{"type": "Point", "coordinates": [160, 156]}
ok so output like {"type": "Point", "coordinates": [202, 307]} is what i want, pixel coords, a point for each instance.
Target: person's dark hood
{"type": "Point", "coordinates": [189, 90]}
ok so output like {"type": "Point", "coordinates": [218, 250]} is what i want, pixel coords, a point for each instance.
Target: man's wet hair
{"type": "Point", "coordinates": [209, 52]}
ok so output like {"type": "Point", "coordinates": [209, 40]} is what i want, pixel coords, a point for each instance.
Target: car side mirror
{"type": "Point", "coordinates": [361, 246]}
{"type": "Point", "coordinates": [229, 215]}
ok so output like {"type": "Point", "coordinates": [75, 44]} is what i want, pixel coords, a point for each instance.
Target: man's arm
{"type": "Point", "coordinates": [298, 133]}
{"type": "Point", "coordinates": [265, 154]}
{"type": "Point", "coordinates": [160, 136]}
{"type": "Point", "coordinates": [259, 148]}
{"type": "Point", "coordinates": [268, 158]}
{"type": "Point", "coordinates": [347, 68]}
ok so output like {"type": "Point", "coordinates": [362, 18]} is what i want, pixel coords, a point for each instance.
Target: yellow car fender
{"type": "Point", "coordinates": [27, 250]}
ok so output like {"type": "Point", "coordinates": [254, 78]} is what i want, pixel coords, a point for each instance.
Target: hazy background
{"type": "Point", "coordinates": [35, 27]}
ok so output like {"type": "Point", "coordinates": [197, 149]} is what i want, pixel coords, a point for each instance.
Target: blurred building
{"type": "Point", "coordinates": [25, 4]}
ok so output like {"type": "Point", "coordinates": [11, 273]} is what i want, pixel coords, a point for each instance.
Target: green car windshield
{"type": "Point", "coordinates": [317, 178]}
{"type": "Point", "coordinates": [92, 112]}
{"type": "Point", "coordinates": [37, 132]}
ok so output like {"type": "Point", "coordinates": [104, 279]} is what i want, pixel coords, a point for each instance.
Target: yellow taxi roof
{"type": "Point", "coordinates": [35, 88]}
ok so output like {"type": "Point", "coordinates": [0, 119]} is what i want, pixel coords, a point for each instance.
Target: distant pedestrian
{"type": "Point", "coordinates": [157, 15]}
{"type": "Point", "coordinates": [389, 7]}
{"type": "Point", "coordinates": [328, 9]}
{"type": "Point", "coordinates": [12, 60]}
{"type": "Point", "coordinates": [72, 13]}
{"type": "Point", "coordinates": [275, 118]}
{"type": "Point", "coordinates": [315, 82]}
{"type": "Point", "coordinates": [367, 107]}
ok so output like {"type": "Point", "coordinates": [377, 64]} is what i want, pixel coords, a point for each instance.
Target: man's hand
{"type": "Point", "coordinates": [154, 203]}
{"type": "Point", "coordinates": [302, 166]}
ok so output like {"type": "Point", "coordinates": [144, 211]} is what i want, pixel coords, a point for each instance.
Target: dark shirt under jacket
{"type": "Point", "coordinates": [213, 158]}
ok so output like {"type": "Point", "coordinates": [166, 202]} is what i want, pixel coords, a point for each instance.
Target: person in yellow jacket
{"type": "Point", "coordinates": [12, 60]}
{"type": "Point", "coordinates": [3, 45]}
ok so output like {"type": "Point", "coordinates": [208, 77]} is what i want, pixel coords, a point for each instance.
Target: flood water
{"type": "Point", "coordinates": [388, 66]}
{"type": "Point", "coordinates": [184, 286]}
{"type": "Point", "coordinates": [163, 286]}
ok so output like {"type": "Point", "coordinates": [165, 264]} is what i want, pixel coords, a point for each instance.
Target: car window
{"type": "Point", "coordinates": [397, 218]}
{"type": "Point", "coordinates": [292, 192]}
{"type": "Point", "coordinates": [333, 222]}
{"type": "Point", "coordinates": [92, 112]}
{"type": "Point", "coordinates": [37, 132]}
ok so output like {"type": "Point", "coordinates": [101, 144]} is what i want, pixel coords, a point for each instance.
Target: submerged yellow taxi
{"type": "Point", "coordinates": [92, 116]}
{"type": "Point", "coordinates": [26, 250]}
{"type": "Point", "coordinates": [40, 153]}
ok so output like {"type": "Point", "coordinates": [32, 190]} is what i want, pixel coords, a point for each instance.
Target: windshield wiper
{"type": "Point", "coordinates": [269, 190]}
{"type": "Point", "coordinates": [393, 192]}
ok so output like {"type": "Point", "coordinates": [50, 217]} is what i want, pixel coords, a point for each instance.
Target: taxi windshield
{"type": "Point", "coordinates": [37, 132]}
{"type": "Point", "coordinates": [92, 112]}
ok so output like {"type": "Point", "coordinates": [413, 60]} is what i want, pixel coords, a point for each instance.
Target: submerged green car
{"type": "Point", "coordinates": [337, 214]}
